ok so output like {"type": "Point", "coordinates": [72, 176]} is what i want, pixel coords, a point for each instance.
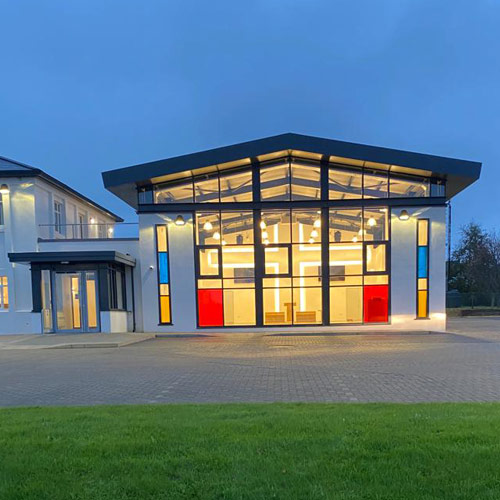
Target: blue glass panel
{"type": "Point", "coordinates": [422, 262]}
{"type": "Point", "coordinates": [163, 264]}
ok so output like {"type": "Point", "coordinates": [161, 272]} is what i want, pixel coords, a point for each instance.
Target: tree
{"type": "Point", "coordinates": [475, 266]}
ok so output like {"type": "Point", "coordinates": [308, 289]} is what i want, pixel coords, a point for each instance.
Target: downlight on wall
{"type": "Point", "coordinates": [179, 221]}
{"type": "Point", "coordinates": [4, 189]}
{"type": "Point", "coordinates": [404, 215]}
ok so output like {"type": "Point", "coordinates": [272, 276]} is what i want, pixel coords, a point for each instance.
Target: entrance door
{"type": "Point", "coordinates": [75, 301]}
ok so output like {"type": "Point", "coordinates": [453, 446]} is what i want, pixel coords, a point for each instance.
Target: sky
{"type": "Point", "coordinates": [93, 85]}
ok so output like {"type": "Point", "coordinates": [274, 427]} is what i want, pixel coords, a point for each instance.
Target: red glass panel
{"type": "Point", "coordinates": [210, 312]}
{"type": "Point", "coordinates": [376, 303]}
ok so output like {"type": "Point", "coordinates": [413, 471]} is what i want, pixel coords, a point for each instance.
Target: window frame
{"type": "Point", "coordinates": [59, 214]}
{"type": "Point", "coordinates": [158, 289]}
{"type": "Point", "coordinates": [417, 246]}
{"type": "Point", "coordinates": [4, 288]}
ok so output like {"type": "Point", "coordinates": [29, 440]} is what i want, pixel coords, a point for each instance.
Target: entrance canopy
{"type": "Point", "coordinates": [457, 174]}
{"type": "Point", "coordinates": [72, 257]}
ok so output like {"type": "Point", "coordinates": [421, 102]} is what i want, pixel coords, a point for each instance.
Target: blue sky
{"type": "Point", "coordinates": [87, 86]}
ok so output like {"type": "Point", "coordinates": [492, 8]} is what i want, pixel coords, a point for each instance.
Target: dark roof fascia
{"type": "Point", "coordinates": [36, 172]}
{"type": "Point", "coordinates": [113, 179]}
{"type": "Point", "coordinates": [72, 257]}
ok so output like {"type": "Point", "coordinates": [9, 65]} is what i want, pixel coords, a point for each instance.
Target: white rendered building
{"type": "Point", "coordinates": [287, 233]}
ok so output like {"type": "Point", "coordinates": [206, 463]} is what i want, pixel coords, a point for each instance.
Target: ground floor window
{"type": "Point", "coordinates": [292, 266]}
{"type": "Point", "coordinates": [4, 292]}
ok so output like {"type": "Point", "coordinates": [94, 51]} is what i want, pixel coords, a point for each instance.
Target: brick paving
{"type": "Point", "coordinates": [459, 366]}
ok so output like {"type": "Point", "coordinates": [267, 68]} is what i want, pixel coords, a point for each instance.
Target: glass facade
{"type": "Point", "coordinates": [163, 274]}
{"type": "Point", "coordinates": [279, 266]}
{"type": "Point", "coordinates": [290, 251]}
{"type": "Point", "coordinates": [294, 179]}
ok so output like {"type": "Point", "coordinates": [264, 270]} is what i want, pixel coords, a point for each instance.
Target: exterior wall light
{"type": "Point", "coordinates": [404, 215]}
{"type": "Point", "coordinates": [179, 221]}
{"type": "Point", "coordinates": [92, 220]}
{"type": "Point", "coordinates": [4, 189]}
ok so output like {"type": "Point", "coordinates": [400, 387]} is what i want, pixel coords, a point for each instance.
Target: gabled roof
{"type": "Point", "coordinates": [13, 168]}
{"type": "Point", "coordinates": [458, 173]}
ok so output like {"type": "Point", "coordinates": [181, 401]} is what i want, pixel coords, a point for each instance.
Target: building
{"type": "Point", "coordinates": [286, 233]}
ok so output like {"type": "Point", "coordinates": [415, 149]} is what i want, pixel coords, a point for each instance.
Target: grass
{"type": "Point", "coordinates": [251, 451]}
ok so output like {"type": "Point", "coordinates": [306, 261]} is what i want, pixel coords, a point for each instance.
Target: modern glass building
{"type": "Point", "coordinates": [291, 232]}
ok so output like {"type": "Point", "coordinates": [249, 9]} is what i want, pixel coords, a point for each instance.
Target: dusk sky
{"type": "Point", "coordinates": [88, 86]}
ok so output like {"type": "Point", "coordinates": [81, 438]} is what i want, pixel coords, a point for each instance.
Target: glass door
{"type": "Point", "coordinates": [75, 301]}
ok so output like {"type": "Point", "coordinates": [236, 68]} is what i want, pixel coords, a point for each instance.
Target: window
{"type": "Point", "coordinates": [345, 183]}
{"type": "Point", "coordinates": [4, 292]}
{"type": "Point", "coordinates": [177, 192]}
{"type": "Point", "coordinates": [58, 217]}
{"type": "Point", "coordinates": [275, 183]}
{"type": "Point", "coordinates": [116, 283]}
{"type": "Point", "coordinates": [422, 268]}
{"type": "Point", "coordinates": [409, 187]}
{"type": "Point", "coordinates": [236, 187]}
{"type": "Point", "coordinates": [101, 229]}
{"type": "Point", "coordinates": [1, 211]}
{"type": "Point", "coordinates": [225, 268]}
{"type": "Point", "coordinates": [359, 265]}
{"type": "Point", "coordinates": [163, 274]}
{"type": "Point", "coordinates": [82, 227]}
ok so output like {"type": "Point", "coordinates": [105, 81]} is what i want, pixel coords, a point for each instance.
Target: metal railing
{"type": "Point", "coordinates": [455, 299]}
{"type": "Point", "coordinates": [89, 231]}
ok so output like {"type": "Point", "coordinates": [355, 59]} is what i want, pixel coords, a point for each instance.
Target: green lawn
{"type": "Point", "coordinates": [286, 451]}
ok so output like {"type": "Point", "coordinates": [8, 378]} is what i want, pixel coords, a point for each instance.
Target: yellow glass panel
{"type": "Point", "coordinates": [375, 258]}
{"type": "Point", "coordinates": [278, 306]}
{"type": "Point", "coordinates": [239, 307]}
{"type": "Point", "coordinates": [210, 284]}
{"type": "Point", "coordinates": [276, 282]}
{"type": "Point", "coordinates": [161, 238]}
{"type": "Point", "coordinates": [382, 279]}
{"type": "Point", "coordinates": [346, 304]}
{"type": "Point", "coordinates": [164, 309]}
{"type": "Point", "coordinates": [164, 290]}
{"type": "Point", "coordinates": [91, 304]}
{"type": "Point", "coordinates": [422, 304]}
{"type": "Point", "coordinates": [422, 283]}
{"type": "Point", "coordinates": [75, 300]}
{"type": "Point", "coordinates": [307, 306]}
{"type": "Point", "coordinates": [423, 229]}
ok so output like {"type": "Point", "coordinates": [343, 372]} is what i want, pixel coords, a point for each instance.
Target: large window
{"type": "Point", "coordinates": [294, 179]}
{"type": "Point", "coordinates": [225, 263]}
{"type": "Point", "coordinates": [274, 270]}
{"type": "Point", "coordinates": [359, 265]}
{"type": "Point", "coordinates": [163, 274]}
{"type": "Point", "coordinates": [4, 292]}
{"type": "Point", "coordinates": [116, 287]}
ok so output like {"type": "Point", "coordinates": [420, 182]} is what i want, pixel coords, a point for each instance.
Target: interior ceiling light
{"type": "Point", "coordinates": [179, 220]}
{"type": "Point", "coordinates": [317, 223]}
{"type": "Point", "coordinates": [265, 236]}
{"type": "Point", "coordinates": [208, 226]}
{"type": "Point", "coordinates": [223, 242]}
{"type": "Point", "coordinates": [311, 240]}
{"type": "Point", "coordinates": [404, 215]}
{"type": "Point", "coordinates": [216, 235]}
{"type": "Point", "coordinates": [355, 239]}
{"type": "Point", "coordinates": [314, 233]}
{"type": "Point", "coordinates": [266, 242]}
{"type": "Point", "coordinates": [372, 222]}
{"type": "Point", "coordinates": [262, 224]}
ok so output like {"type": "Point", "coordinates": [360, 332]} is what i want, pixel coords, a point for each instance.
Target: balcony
{"type": "Point", "coordinates": [91, 231]}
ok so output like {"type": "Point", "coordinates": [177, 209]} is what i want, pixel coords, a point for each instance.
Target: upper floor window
{"type": "Point", "coordinates": [4, 292]}
{"type": "Point", "coordinates": [1, 211]}
{"type": "Point", "coordinates": [58, 217]}
{"type": "Point", "coordinates": [294, 179]}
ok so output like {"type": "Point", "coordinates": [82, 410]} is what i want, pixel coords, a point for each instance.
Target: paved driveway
{"type": "Point", "coordinates": [461, 366]}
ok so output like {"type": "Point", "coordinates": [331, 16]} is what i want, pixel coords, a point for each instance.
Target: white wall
{"type": "Point", "coordinates": [404, 269]}
{"type": "Point", "coordinates": [403, 277]}
{"type": "Point", "coordinates": [182, 275]}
